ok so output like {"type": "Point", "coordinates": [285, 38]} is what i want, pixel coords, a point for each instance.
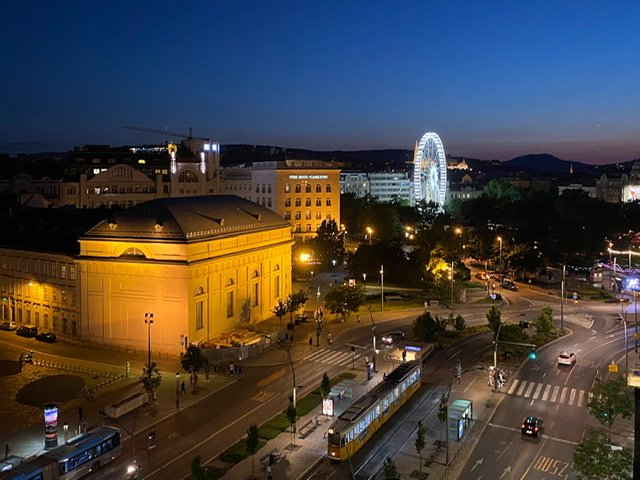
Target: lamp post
{"type": "Point", "coordinates": [178, 391]}
{"type": "Point", "coordinates": [500, 255]}
{"type": "Point", "coordinates": [364, 280]}
{"type": "Point", "coordinates": [148, 320]}
{"type": "Point", "coordinates": [451, 282]}
{"type": "Point", "coordinates": [562, 299]}
{"type": "Point", "coordinates": [369, 233]}
{"type": "Point", "coordinates": [381, 287]}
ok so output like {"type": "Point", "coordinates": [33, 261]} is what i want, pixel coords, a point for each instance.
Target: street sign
{"type": "Point", "coordinates": [613, 368]}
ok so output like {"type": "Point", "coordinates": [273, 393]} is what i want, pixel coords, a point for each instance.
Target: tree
{"type": "Point", "coordinates": [544, 322]}
{"type": "Point", "coordinates": [594, 459]}
{"type": "Point", "coordinates": [193, 361]}
{"type": "Point", "coordinates": [329, 242]}
{"type": "Point", "coordinates": [151, 379]}
{"type": "Point", "coordinates": [389, 469]}
{"type": "Point", "coordinates": [420, 442]}
{"type": "Point", "coordinates": [443, 410]}
{"type": "Point", "coordinates": [459, 324]}
{"type": "Point", "coordinates": [325, 386]}
{"type": "Point", "coordinates": [280, 310]}
{"type": "Point", "coordinates": [199, 471]}
{"type": "Point", "coordinates": [292, 416]}
{"type": "Point", "coordinates": [610, 399]}
{"type": "Point", "coordinates": [493, 317]}
{"type": "Point", "coordinates": [425, 328]}
{"type": "Point", "coordinates": [295, 301]}
{"type": "Point", "coordinates": [343, 299]}
{"type": "Point", "coordinates": [253, 440]}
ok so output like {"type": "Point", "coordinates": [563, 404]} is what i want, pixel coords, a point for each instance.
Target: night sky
{"type": "Point", "coordinates": [493, 79]}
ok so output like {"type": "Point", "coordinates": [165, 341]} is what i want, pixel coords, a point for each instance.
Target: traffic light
{"type": "Point", "coordinates": [533, 355]}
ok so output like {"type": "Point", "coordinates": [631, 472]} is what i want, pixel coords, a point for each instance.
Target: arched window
{"type": "Point", "coordinates": [133, 252]}
{"type": "Point", "coordinates": [199, 308]}
{"type": "Point", "coordinates": [230, 282]}
{"type": "Point", "coordinates": [187, 176]}
{"type": "Point", "coordinates": [328, 190]}
{"type": "Point", "coordinates": [307, 188]}
{"type": "Point", "coordinates": [318, 188]}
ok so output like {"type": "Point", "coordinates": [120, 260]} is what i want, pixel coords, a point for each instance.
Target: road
{"type": "Point", "coordinates": [558, 394]}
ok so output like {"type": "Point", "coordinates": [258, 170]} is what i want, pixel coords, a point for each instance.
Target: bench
{"type": "Point", "coordinates": [393, 298]}
{"type": "Point", "coordinates": [306, 429]}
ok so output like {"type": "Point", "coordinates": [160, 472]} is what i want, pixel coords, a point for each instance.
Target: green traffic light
{"type": "Point", "coordinates": [532, 355]}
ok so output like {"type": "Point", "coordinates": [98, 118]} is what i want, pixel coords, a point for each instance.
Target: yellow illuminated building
{"type": "Point", "coordinates": [303, 192]}
{"type": "Point", "coordinates": [202, 265]}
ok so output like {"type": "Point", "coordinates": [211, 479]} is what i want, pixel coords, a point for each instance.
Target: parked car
{"type": "Point", "coordinates": [48, 337]}
{"type": "Point", "coordinates": [509, 285]}
{"type": "Point", "coordinates": [567, 358]}
{"type": "Point", "coordinates": [8, 325]}
{"type": "Point", "coordinates": [28, 331]}
{"type": "Point", "coordinates": [392, 337]}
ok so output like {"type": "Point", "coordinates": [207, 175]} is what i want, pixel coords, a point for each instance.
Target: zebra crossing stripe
{"type": "Point", "coordinates": [529, 388]}
{"type": "Point", "coordinates": [537, 392]}
{"type": "Point", "coordinates": [563, 395]}
{"type": "Point", "coordinates": [546, 392]}
{"type": "Point", "coordinates": [513, 387]}
{"type": "Point", "coordinates": [522, 385]}
{"type": "Point", "coordinates": [555, 393]}
{"type": "Point", "coordinates": [572, 396]}
{"type": "Point", "coordinates": [581, 398]}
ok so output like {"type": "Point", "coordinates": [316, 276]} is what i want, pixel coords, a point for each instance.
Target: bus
{"type": "Point", "coordinates": [78, 457]}
{"type": "Point", "coordinates": [360, 421]}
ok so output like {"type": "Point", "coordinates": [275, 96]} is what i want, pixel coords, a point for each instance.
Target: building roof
{"type": "Point", "coordinates": [187, 219]}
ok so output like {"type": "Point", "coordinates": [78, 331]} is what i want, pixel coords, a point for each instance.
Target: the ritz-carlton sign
{"type": "Point", "coordinates": [308, 177]}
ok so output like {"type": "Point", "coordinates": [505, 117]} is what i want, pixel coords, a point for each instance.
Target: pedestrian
{"type": "Point", "coordinates": [330, 340]}
{"type": "Point", "coordinates": [310, 342]}
{"type": "Point", "coordinates": [238, 370]}
{"type": "Point", "coordinates": [269, 469]}
{"type": "Point", "coordinates": [183, 388]}
{"type": "Point", "coordinates": [6, 450]}
{"type": "Point", "coordinates": [231, 369]}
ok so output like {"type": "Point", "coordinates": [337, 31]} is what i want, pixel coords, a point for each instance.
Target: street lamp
{"type": "Point", "coordinates": [370, 233]}
{"type": "Point", "coordinates": [451, 282]}
{"type": "Point", "coordinates": [148, 320]}
{"type": "Point", "coordinates": [178, 391]}
{"type": "Point", "coordinates": [500, 256]}
{"type": "Point", "coordinates": [364, 280]}
{"type": "Point", "coordinates": [381, 287]}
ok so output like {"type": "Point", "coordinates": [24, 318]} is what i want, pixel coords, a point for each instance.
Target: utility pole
{"type": "Point", "coordinates": [562, 300]}
{"type": "Point", "coordinates": [381, 287]}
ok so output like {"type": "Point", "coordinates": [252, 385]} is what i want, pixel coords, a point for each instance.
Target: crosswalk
{"type": "Point", "coordinates": [549, 393]}
{"type": "Point", "coordinates": [335, 357]}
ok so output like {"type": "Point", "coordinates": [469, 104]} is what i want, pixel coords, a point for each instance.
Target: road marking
{"type": "Point", "coordinates": [529, 388]}
{"type": "Point", "coordinates": [271, 378]}
{"type": "Point", "coordinates": [563, 395]}
{"type": "Point", "coordinates": [536, 394]}
{"type": "Point", "coordinates": [513, 386]}
{"type": "Point", "coordinates": [572, 396]}
{"type": "Point", "coordinates": [555, 393]}
{"type": "Point", "coordinates": [581, 398]}
{"type": "Point", "coordinates": [517, 430]}
{"type": "Point", "coordinates": [522, 385]}
{"type": "Point", "coordinates": [546, 392]}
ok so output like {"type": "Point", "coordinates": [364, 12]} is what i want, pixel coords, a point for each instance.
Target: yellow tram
{"type": "Point", "coordinates": [360, 421]}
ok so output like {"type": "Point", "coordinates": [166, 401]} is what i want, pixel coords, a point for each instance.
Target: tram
{"type": "Point", "coordinates": [360, 421]}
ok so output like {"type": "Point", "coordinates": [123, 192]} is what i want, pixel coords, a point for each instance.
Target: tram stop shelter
{"type": "Point", "coordinates": [460, 416]}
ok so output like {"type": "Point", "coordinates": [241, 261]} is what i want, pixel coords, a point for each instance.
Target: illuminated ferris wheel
{"type": "Point", "coordinates": [430, 170]}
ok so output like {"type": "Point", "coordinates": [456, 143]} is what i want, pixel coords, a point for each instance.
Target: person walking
{"type": "Point", "coordinates": [310, 342]}
{"type": "Point", "coordinates": [183, 388]}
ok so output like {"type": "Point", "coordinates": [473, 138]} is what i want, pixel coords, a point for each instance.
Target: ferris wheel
{"type": "Point", "coordinates": [430, 170]}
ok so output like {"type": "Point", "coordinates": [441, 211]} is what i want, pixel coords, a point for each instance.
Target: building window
{"type": "Point", "coordinates": [298, 228]}
{"type": "Point", "coordinates": [318, 215]}
{"type": "Point", "coordinates": [269, 202]}
{"type": "Point", "coordinates": [229, 304]}
{"type": "Point", "coordinates": [308, 227]}
{"type": "Point", "coordinates": [307, 188]}
{"type": "Point", "coordinates": [269, 188]}
{"type": "Point", "coordinates": [287, 202]}
{"type": "Point", "coordinates": [255, 294]}
{"type": "Point", "coordinates": [298, 216]}
{"type": "Point", "coordinates": [287, 188]}
{"type": "Point", "coordinates": [72, 272]}
{"type": "Point", "coordinates": [63, 271]}
{"type": "Point", "coordinates": [307, 215]}
{"type": "Point", "coordinates": [318, 202]}
{"type": "Point", "coordinates": [328, 189]}
{"type": "Point", "coordinates": [287, 215]}
{"type": "Point", "coordinates": [298, 188]}
{"type": "Point", "coordinates": [328, 202]}
{"type": "Point", "coordinates": [318, 188]}
{"type": "Point", "coordinates": [307, 202]}
{"type": "Point", "coordinates": [298, 202]}
{"type": "Point", "coordinates": [199, 315]}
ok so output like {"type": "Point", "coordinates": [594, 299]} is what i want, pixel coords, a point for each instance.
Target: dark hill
{"type": "Point", "coordinates": [549, 163]}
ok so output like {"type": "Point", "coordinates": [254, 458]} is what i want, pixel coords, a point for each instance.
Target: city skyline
{"type": "Point", "coordinates": [495, 82]}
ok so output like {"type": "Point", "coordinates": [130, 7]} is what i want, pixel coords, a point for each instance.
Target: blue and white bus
{"type": "Point", "coordinates": [80, 456]}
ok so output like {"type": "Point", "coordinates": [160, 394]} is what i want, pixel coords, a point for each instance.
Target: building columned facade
{"type": "Point", "coordinates": [303, 192]}
{"type": "Point", "coordinates": [201, 265]}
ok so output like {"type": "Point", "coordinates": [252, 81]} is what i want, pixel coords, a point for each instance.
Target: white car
{"type": "Point", "coordinates": [567, 358]}
{"type": "Point", "coordinates": [392, 337]}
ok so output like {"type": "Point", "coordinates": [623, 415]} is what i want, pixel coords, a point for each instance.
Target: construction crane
{"type": "Point", "coordinates": [166, 133]}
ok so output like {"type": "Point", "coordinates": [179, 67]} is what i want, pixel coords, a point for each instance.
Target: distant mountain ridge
{"type": "Point", "coordinates": [546, 162]}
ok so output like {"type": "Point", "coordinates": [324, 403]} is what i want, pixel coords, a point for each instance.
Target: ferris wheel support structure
{"type": "Point", "coordinates": [430, 170]}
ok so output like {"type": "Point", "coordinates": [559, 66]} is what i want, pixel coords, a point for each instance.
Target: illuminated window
{"type": "Point", "coordinates": [287, 215]}
{"type": "Point", "coordinates": [307, 215]}
{"type": "Point", "coordinates": [298, 188]}
{"type": "Point", "coordinates": [199, 315]}
{"type": "Point", "coordinates": [318, 215]}
{"type": "Point", "coordinates": [307, 202]}
{"type": "Point", "coordinates": [187, 176]}
{"type": "Point", "coordinates": [298, 202]}
{"type": "Point", "coordinates": [298, 215]}
{"type": "Point", "coordinates": [308, 227]}
{"type": "Point", "coordinates": [287, 188]}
